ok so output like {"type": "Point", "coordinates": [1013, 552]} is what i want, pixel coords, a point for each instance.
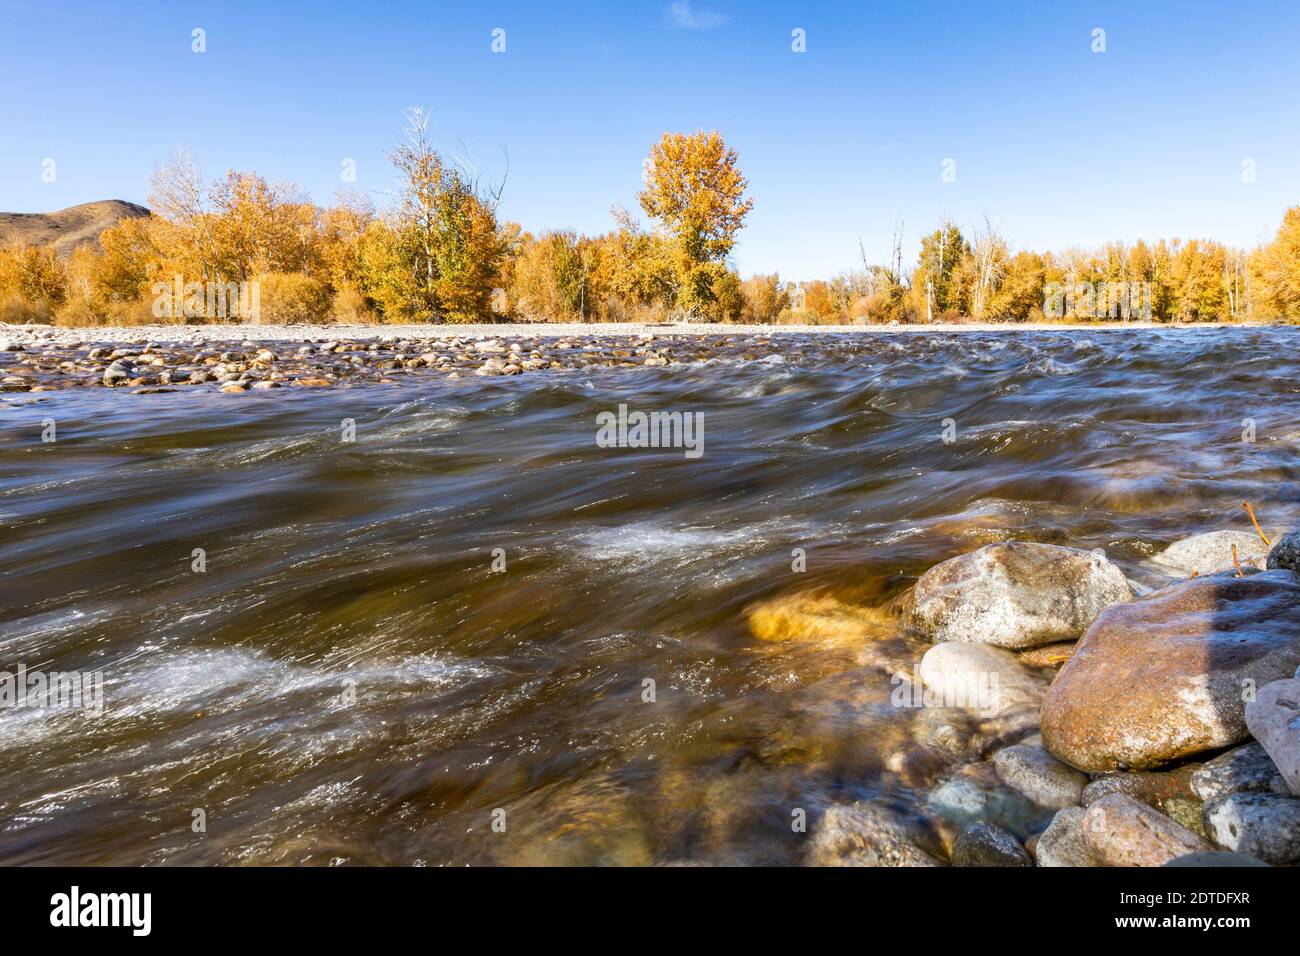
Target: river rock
{"type": "Point", "coordinates": [1262, 825]}
{"type": "Point", "coordinates": [1123, 832]}
{"type": "Point", "coordinates": [1039, 776]}
{"type": "Point", "coordinates": [1216, 858]}
{"type": "Point", "coordinates": [1153, 787]}
{"type": "Point", "coordinates": [1063, 842]}
{"type": "Point", "coordinates": [869, 834]}
{"type": "Point", "coordinates": [1047, 655]}
{"type": "Point", "coordinates": [1244, 769]}
{"type": "Point", "coordinates": [987, 845]}
{"type": "Point", "coordinates": [1015, 594]}
{"type": "Point", "coordinates": [1274, 719]}
{"type": "Point", "coordinates": [973, 794]}
{"type": "Point", "coordinates": [1161, 678]}
{"type": "Point", "coordinates": [1212, 552]}
{"type": "Point", "coordinates": [985, 679]}
{"type": "Point", "coordinates": [1189, 813]}
{"type": "Point", "coordinates": [117, 373]}
{"type": "Point", "coordinates": [1285, 555]}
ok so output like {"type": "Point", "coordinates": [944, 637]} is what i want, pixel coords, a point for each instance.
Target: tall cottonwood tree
{"type": "Point", "coordinates": [446, 231]}
{"type": "Point", "coordinates": [696, 190]}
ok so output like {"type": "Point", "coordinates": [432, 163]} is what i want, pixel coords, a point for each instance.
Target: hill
{"type": "Point", "coordinates": [67, 228]}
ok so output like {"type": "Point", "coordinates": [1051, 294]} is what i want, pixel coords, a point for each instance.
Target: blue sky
{"type": "Point", "coordinates": [1057, 145]}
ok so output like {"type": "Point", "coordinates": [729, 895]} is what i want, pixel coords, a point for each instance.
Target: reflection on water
{"type": "Point", "coordinates": [349, 681]}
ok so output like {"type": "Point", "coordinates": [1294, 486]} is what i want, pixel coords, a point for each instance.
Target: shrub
{"type": "Point", "coordinates": [16, 310]}
{"type": "Point", "coordinates": [291, 297]}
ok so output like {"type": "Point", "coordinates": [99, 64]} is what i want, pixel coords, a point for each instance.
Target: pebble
{"type": "Point", "coordinates": [58, 359]}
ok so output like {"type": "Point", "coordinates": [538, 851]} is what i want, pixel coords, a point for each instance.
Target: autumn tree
{"type": "Point", "coordinates": [257, 227]}
{"type": "Point", "coordinates": [764, 298]}
{"type": "Point", "coordinates": [31, 283]}
{"type": "Point", "coordinates": [1276, 270]}
{"type": "Point", "coordinates": [696, 191]}
{"type": "Point", "coordinates": [177, 196]}
{"type": "Point", "coordinates": [1020, 294]}
{"type": "Point", "coordinates": [445, 231]}
{"type": "Point", "coordinates": [940, 285]}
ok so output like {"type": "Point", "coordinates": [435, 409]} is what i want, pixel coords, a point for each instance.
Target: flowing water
{"type": "Point", "coordinates": [350, 680]}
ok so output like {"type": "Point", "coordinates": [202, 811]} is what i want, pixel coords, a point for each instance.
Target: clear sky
{"type": "Point", "coordinates": [1060, 146]}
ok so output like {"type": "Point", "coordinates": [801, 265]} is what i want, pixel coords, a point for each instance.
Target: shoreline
{"type": "Point", "coordinates": [236, 358]}
{"type": "Point", "coordinates": [306, 333]}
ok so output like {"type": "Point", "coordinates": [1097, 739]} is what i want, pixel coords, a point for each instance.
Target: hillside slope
{"type": "Point", "coordinates": [67, 228]}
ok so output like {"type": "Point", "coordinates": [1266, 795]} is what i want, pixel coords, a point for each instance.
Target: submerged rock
{"type": "Point", "coordinates": [1039, 776]}
{"type": "Point", "coordinates": [1274, 719]}
{"type": "Point", "coordinates": [987, 680]}
{"type": "Point", "coordinates": [1123, 832]}
{"type": "Point", "coordinates": [869, 834]}
{"type": "Point", "coordinates": [1262, 825]}
{"type": "Point", "coordinates": [984, 844]}
{"type": "Point", "coordinates": [974, 794]}
{"type": "Point", "coordinates": [1161, 678]}
{"type": "Point", "coordinates": [1015, 594]}
{"type": "Point", "coordinates": [1048, 655]}
{"type": "Point", "coordinates": [1244, 769]}
{"type": "Point", "coordinates": [818, 617]}
{"type": "Point", "coordinates": [1285, 555]}
{"type": "Point", "coordinates": [1211, 553]}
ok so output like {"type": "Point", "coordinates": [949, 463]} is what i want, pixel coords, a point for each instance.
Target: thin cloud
{"type": "Point", "coordinates": [685, 17]}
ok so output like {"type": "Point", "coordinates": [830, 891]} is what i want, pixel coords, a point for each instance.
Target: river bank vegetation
{"type": "Point", "coordinates": [440, 252]}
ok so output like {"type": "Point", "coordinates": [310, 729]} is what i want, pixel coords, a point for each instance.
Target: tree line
{"type": "Point", "coordinates": [439, 252]}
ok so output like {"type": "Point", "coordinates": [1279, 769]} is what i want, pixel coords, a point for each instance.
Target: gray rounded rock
{"type": "Point", "coordinates": [984, 844]}
{"type": "Point", "coordinates": [868, 834]}
{"type": "Point", "coordinates": [1039, 776]}
{"type": "Point", "coordinates": [1244, 769]}
{"type": "Point", "coordinates": [1064, 843]}
{"type": "Point", "coordinates": [1211, 552]}
{"type": "Point", "coordinates": [1015, 594]}
{"type": "Point", "coordinates": [1286, 553]}
{"type": "Point", "coordinates": [1215, 858]}
{"type": "Point", "coordinates": [1262, 825]}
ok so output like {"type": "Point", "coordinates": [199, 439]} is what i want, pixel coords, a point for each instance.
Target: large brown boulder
{"type": "Point", "coordinates": [1015, 594]}
{"type": "Point", "coordinates": [1165, 677]}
